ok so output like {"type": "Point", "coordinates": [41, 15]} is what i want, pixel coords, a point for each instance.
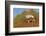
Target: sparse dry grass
{"type": "Point", "coordinates": [21, 22]}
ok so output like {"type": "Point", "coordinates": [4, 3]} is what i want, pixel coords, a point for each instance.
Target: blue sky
{"type": "Point", "coordinates": [17, 11]}
{"type": "Point", "coordinates": [20, 10]}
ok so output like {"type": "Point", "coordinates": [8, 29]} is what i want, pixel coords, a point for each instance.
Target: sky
{"type": "Point", "coordinates": [20, 10]}
{"type": "Point", "coordinates": [17, 11]}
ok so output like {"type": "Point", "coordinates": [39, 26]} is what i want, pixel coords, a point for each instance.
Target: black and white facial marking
{"type": "Point", "coordinates": [30, 18]}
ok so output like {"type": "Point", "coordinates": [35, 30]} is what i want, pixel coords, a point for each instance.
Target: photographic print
{"type": "Point", "coordinates": [24, 17]}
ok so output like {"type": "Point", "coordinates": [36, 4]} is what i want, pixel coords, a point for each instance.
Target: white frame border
{"type": "Point", "coordinates": [26, 28]}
